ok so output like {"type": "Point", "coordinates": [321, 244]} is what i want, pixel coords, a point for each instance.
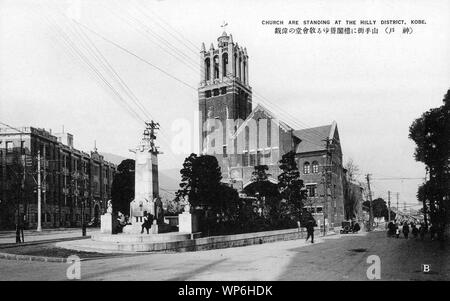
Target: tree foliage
{"type": "Point", "coordinates": [291, 186]}
{"type": "Point", "coordinates": [201, 185]}
{"type": "Point", "coordinates": [431, 134]}
{"type": "Point", "coordinates": [379, 208]}
{"type": "Point", "coordinates": [352, 198]}
{"type": "Point", "coordinates": [122, 189]}
{"type": "Point", "coordinates": [200, 180]}
{"type": "Point", "coordinates": [352, 170]}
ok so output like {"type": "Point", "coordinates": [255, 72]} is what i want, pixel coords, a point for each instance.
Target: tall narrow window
{"type": "Point", "coordinates": [216, 67]}
{"type": "Point", "coordinates": [235, 65]}
{"type": "Point", "coordinates": [207, 69]}
{"type": "Point", "coordinates": [240, 68]}
{"type": "Point", "coordinates": [306, 168]}
{"type": "Point", "coordinates": [243, 72]}
{"type": "Point", "coordinates": [247, 137]}
{"type": "Point", "coordinates": [9, 147]}
{"type": "Point", "coordinates": [224, 64]}
{"type": "Point", "coordinates": [315, 167]}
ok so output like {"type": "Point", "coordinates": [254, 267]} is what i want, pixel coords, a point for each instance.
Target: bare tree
{"type": "Point", "coordinates": [352, 170]}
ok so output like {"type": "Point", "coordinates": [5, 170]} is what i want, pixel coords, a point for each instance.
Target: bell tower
{"type": "Point", "coordinates": [224, 91]}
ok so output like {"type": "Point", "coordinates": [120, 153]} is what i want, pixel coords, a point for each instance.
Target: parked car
{"type": "Point", "coordinates": [349, 227]}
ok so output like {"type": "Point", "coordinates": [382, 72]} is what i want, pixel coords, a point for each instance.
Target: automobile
{"type": "Point", "coordinates": [349, 227]}
{"type": "Point", "coordinates": [345, 227]}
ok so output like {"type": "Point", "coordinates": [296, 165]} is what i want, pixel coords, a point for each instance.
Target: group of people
{"type": "Point", "coordinates": [123, 220]}
{"type": "Point", "coordinates": [394, 229]}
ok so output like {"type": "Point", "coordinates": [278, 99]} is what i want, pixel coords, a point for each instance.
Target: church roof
{"type": "Point", "coordinates": [271, 115]}
{"type": "Point", "coordinates": [313, 139]}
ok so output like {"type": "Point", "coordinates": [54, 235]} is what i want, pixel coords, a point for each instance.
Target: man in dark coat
{"type": "Point", "coordinates": [310, 229]}
{"type": "Point", "coordinates": [405, 230]}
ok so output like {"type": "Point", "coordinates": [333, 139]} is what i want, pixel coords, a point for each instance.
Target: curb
{"type": "Point", "coordinates": [20, 257]}
{"type": "Point", "coordinates": [9, 256]}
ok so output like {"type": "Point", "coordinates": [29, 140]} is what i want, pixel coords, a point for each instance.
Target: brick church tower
{"type": "Point", "coordinates": [224, 91]}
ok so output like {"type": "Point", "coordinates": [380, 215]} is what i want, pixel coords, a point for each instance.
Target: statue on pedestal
{"type": "Point", "coordinates": [109, 208]}
{"type": "Point", "coordinates": [146, 189]}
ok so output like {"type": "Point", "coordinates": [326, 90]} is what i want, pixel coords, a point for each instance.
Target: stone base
{"type": "Point", "coordinates": [107, 224]}
{"type": "Point", "coordinates": [136, 228]}
{"type": "Point", "coordinates": [187, 223]}
{"type": "Point", "coordinates": [161, 228]}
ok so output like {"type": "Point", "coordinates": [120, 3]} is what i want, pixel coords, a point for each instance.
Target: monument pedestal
{"type": "Point", "coordinates": [187, 222]}
{"type": "Point", "coordinates": [107, 224]}
{"type": "Point", "coordinates": [161, 228]}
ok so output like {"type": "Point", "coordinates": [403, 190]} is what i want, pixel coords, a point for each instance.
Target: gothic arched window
{"type": "Point", "coordinates": [306, 168]}
{"type": "Point", "coordinates": [315, 167]}
{"type": "Point", "coordinates": [244, 78]}
{"type": "Point", "coordinates": [240, 68]}
{"type": "Point", "coordinates": [207, 69]}
{"type": "Point", "coordinates": [216, 67]}
{"type": "Point", "coordinates": [235, 65]}
{"type": "Point", "coordinates": [224, 64]}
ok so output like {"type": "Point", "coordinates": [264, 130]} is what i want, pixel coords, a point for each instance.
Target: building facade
{"type": "Point", "coordinates": [241, 136]}
{"type": "Point", "coordinates": [73, 182]}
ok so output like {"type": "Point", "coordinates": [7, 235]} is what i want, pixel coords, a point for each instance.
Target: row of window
{"type": "Point", "coordinates": [311, 190]}
{"type": "Point", "coordinates": [216, 92]}
{"type": "Point", "coordinates": [266, 157]}
{"type": "Point", "coordinates": [314, 167]}
{"type": "Point", "coordinates": [9, 146]}
{"type": "Point", "coordinates": [238, 70]}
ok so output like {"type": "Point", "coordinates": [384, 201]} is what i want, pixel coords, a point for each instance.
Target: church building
{"type": "Point", "coordinates": [242, 136]}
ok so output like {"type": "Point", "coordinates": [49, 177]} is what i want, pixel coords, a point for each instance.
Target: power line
{"type": "Point", "coordinates": [147, 62]}
{"type": "Point", "coordinates": [262, 99]}
{"type": "Point", "coordinates": [72, 46]}
{"type": "Point", "coordinates": [136, 56]}
{"type": "Point", "coordinates": [103, 62]}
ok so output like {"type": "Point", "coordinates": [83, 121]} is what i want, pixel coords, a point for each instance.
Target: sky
{"type": "Point", "coordinates": [373, 86]}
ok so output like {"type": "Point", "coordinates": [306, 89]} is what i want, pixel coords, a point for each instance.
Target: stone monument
{"type": "Point", "coordinates": [187, 222]}
{"type": "Point", "coordinates": [107, 220]}
{"type": "Point", "coordinates": [146, 189]}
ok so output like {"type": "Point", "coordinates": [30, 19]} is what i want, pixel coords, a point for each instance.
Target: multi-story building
{"type": "Point", "coordinates": [73, 182]}
{"type": "Point", "coordinates": [242, 137]}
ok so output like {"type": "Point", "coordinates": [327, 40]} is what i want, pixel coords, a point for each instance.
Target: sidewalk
{"type": "Point", "coordinates": [9, 237]}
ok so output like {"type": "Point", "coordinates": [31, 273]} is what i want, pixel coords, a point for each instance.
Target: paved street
{"type": "Point", "coordinates": [338, 257]}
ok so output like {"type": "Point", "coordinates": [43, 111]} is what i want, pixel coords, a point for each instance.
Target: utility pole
{"type": "Point", "coordinates": [370, 203]}
{"type": "Point", "coordinates": [397, 201]}
{"type": "Point", "coordinates": [389, 206]}
{"type": "Point", "coordinates": [326, 171]}
{"type": "Point", "coordinates": [39, 188]}
{"type": "Point", "coordinates": [44, 178]}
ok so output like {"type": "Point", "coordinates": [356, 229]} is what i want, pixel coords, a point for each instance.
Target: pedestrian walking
{"type": "Point", "coordinates": [397, 231]}
{"type": "Point", "coordinates": [405, 230]}
{"type": "Point", "coordinates": [432, 231]}
{"type": "Point", "coordinates": [310, 229]}
{"type": "Point", "coordinates": [391, 229]}
{"type": "Point", "coordinates": [422, 231]}
{"type": "Point", "coordinates": [146, 224]}
{"type": "Point", "coordinates": [414, 230]}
